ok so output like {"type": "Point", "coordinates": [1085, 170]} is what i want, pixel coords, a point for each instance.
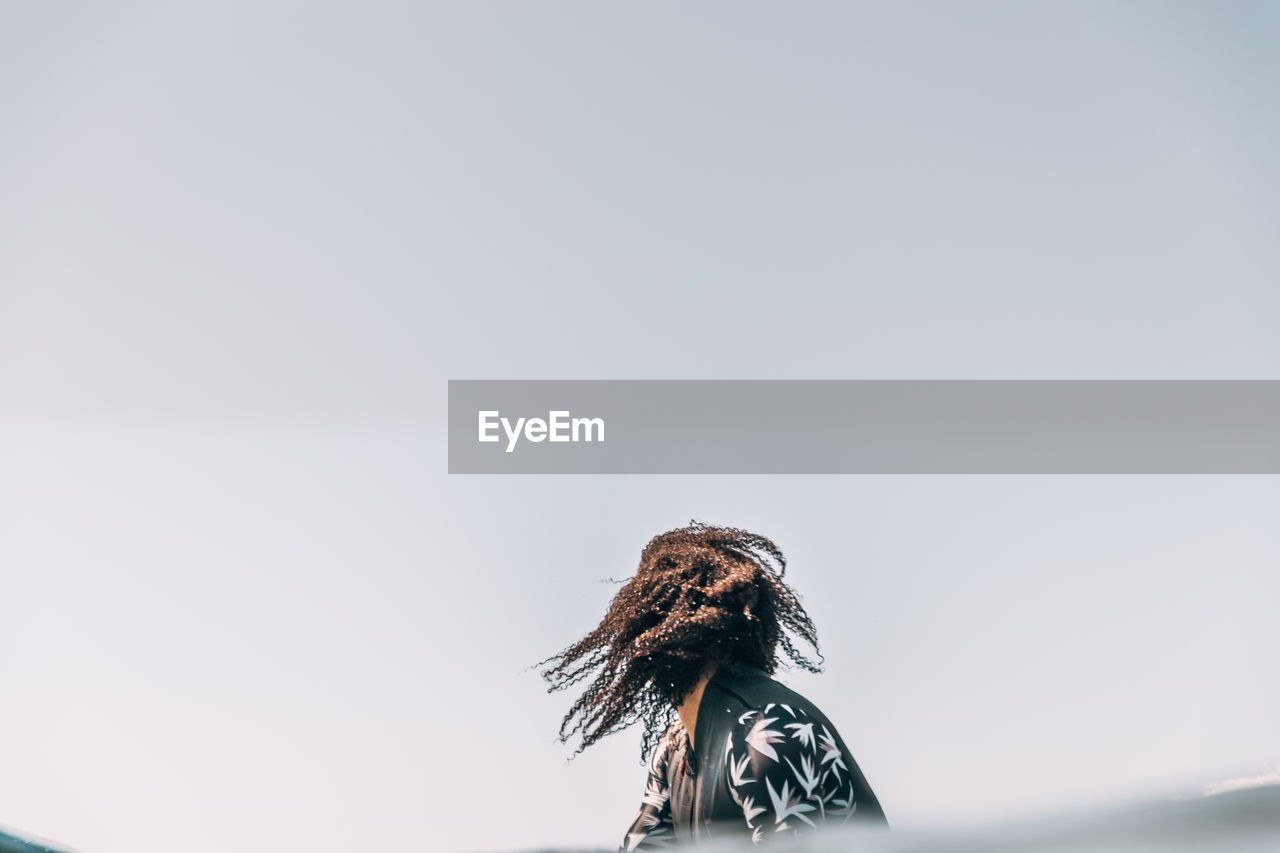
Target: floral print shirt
{"type": "Point", "coordinates": [785, 771]}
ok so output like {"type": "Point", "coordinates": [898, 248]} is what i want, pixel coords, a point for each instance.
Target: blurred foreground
{"type": "Point", "coordinates": [12, 843]}
{"type": "Point", "coordinates": [1235, 821]}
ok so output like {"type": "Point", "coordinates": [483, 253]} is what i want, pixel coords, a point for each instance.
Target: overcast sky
{"type": "Point", "coordinates": [243, 247]}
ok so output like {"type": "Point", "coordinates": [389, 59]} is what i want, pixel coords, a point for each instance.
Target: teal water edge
{"type": "Point", "coordinates": [14, 844]}
{"type": "Point", "coordinates": [1242, 821]}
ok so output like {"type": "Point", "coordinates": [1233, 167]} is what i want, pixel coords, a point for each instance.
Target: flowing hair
{"type": "Point", "coordinates": [701, 595]}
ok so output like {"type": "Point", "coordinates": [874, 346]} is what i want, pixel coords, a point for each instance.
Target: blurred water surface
{"type": "Point", "coordinates": [1236, 821]}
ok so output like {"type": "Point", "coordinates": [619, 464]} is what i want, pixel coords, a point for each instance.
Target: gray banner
{"type": "Point", "coordinates": [864, 427]}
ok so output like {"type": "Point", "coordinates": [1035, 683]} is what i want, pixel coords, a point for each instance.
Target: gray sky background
{"type": "Point", "coordinates": [242, 247]}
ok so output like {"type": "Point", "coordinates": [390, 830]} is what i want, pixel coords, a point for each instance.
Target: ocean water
{"type": "Point", "coordinates": [1243, 820]}
{"type": "Point", "coordinates": [1240, 820]}
{"type": "Point", "coordinates": [11, 842]}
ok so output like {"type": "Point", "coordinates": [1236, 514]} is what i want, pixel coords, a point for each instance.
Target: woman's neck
{"type": "Point", "coordinates": [688, 707]}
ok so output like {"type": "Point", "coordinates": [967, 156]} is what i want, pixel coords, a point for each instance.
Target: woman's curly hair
{"type": "Point", "coordinates": [700, 595]}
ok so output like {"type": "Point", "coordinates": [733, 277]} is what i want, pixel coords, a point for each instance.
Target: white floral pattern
{"type": "Point", "coordinates": [777, 757]}
{"type": "Point", "coordinates": [785, 771]}
{"type": "Point", "coordinates": [652, 829]}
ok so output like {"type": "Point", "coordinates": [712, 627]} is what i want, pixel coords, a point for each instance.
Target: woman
{"type": "Point", "coordinates": [698, 631]}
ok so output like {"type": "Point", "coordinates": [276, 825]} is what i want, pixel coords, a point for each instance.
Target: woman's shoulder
{"type": "Point", "coordinates": [759, 691]}
{"type": "Point", "coordinates": [768, 727]}
{"type": "Point", "coordinates": [786, 712]}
